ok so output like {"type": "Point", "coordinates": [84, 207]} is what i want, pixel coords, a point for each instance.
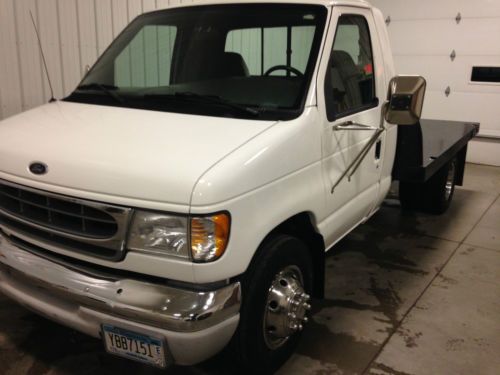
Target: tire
{"type": "Point", "coordinates": [258, 350]}
{"type": "Point", "coordinates": [438, 191]}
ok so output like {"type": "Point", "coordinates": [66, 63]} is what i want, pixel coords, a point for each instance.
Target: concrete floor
{"type": "Point", "coordinates": [406, 294]}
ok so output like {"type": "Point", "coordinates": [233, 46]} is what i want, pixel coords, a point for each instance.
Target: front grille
{"type": "Point", "coordinates": [66, 223]}
{"type": "Point", "coordinates": [52, 239]}
{"type": "Point", "coordinates": [56, 213]}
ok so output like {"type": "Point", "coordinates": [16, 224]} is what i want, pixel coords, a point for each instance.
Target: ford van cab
{"type": "Point", "coordinates": [182, 198]}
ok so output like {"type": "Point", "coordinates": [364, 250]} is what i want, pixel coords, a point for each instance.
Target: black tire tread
{"type": "Point", "coordinates": [428, 197]}
{"type": "Point", "coordinates": [435, 201]}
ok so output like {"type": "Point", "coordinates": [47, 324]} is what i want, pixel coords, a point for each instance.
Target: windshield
{"type": "Point", "coordinates": [245, 61]}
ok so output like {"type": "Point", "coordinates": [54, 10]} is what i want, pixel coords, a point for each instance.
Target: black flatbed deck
{"type": "Point", "coordinates": [424, 148]}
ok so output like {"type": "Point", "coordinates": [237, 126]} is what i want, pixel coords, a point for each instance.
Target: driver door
{"type": "Point", "coordinates": [353, 93]}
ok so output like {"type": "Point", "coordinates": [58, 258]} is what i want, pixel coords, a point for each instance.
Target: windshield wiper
{"type": "Point", "coordinates": [211, 99]}
{"type": "Point", "coordinates": [107, 89]}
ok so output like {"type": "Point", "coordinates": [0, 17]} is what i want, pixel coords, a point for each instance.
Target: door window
{"type": "Point", "coordinates": [350, 82]}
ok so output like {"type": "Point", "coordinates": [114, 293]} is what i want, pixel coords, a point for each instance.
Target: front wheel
{"type": "Point", "coordinates": [275, 305]}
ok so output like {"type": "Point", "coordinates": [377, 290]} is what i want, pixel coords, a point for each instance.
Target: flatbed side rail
{"type": "Point", "coordinates": [425, 148]}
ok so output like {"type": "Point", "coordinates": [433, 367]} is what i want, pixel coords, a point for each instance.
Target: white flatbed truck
{"type": "Point", "coordinates": [182, 198]}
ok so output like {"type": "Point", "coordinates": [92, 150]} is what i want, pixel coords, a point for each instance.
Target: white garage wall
{"type": "Point", "coordinates": [423, 35]}
{"type": "Point", "coordinates": [73, 33]}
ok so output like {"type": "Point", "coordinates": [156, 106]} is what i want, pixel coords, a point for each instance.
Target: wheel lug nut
{"type": "Point", "coordinates": [305, 320]}
{"type": "Point", "coordinates": [292, 315]}
{"type": "Point", "coordinates": [306, 306]}
{"type": "Point", "coordinates": [300, 327]}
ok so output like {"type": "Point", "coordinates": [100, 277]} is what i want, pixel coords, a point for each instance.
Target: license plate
{"type": "Point", "coordinates": [134, 346]}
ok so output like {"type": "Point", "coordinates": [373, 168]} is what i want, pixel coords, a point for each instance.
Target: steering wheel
{"type": "Point", "coordinates": [290, 69]}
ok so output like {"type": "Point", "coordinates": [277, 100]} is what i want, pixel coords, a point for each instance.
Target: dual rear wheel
{"type": "Point", "coordinates": [435, 195]}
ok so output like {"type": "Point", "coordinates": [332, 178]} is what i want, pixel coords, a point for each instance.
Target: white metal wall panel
{"type": "Point", "coordinates": [10, 85]}
{"type": "Point", "coordinates": [160, 4]}
{"type": "Point", "coordinates": [148, 5]}
{"type": "Point", "coordinates": [70, 43]}
{"type": "Point", "coordinates": [402, 10]}
{"type": "Point", "coordinates": [424, 34]}
{"type": "Point", "coordinates": [134, 9]}
{"type": "Point", "coordinates": [48, 26]}
{"type": "Point", "coordinates": [73, 32]}
{"type": "Point", "coordinates": [88, 33]}
{"type": "Point", "coordinates": [120, 16]}
{"type": "Point", "coordinates": [474, 36]}
{"type": "Point", "coordinates": [31, 79]}
{"type": "Point", "coordinates": [104, 24]}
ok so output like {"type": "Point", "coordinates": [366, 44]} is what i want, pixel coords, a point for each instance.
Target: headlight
{"type": "Point", "coordinates": [159, 234]}
{"type": "Point", "coordinates": [204, 240]}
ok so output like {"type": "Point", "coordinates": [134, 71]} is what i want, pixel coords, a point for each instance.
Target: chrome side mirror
{"type": "Point", "coordinates": [405, 100]}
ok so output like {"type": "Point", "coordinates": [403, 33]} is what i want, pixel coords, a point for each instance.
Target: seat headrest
{"type": "Point", "coordinates": [233, 65]}
{"type": "Point", "coordinates": [342, 60]}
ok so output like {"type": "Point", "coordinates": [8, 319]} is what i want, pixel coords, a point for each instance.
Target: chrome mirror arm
{"type": "Point", "coordinates": [351, 125]}
{"type": "Point", "coordinates": [365, 151]}
{"type": "Point", "coordinates": [355, 164]}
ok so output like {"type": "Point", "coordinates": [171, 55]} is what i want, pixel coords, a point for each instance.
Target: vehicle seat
{"type": "Point", "coordinates": [232, 64]}
{"type": "Point", "coordinates": [346, 78]}
{"type": "Point", "coordinates": [207, 66]}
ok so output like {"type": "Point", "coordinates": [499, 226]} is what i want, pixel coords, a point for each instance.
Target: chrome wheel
{"type": "Point", "coordinates": [286, 307]}
{"type": "Point", "coordinates": [450, 181]}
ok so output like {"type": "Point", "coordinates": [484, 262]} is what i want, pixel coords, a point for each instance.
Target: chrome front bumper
{"type": "Point", "coordinates": [196, 325]}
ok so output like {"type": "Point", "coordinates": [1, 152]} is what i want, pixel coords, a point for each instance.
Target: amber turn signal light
{"type": "Point", "coordinates": [209, 236]}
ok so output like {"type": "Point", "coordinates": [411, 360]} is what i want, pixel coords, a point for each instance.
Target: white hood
{"type": "Point", "coordinates": [129, 153]}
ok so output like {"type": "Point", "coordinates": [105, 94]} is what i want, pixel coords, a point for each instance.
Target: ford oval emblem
{"type": "Point", "coordinates": [38, 168]}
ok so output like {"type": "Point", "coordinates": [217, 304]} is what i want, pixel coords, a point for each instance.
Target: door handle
{"type": "Point", "coordinates": [378, 150]}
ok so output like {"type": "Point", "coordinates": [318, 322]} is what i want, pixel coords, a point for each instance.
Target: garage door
{"type": "Point", "coordinates": [446, 41]}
